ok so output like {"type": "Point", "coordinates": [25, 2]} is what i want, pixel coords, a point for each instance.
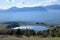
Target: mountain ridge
{"type": "Point", "coordinates": [37, 8]}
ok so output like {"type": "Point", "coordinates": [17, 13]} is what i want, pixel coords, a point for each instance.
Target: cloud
{"type": "Point", "coordinates": [5, 4]}
{"type": "Point", "coordinates": [10, 0]}
{"type": "Point", "coordinates": [42, 3]}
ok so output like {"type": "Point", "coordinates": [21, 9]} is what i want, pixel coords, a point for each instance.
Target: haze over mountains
{"type": "Point", "coordinates": [37, 8]}
{"type": "Point", "coordinates": [47, 14]}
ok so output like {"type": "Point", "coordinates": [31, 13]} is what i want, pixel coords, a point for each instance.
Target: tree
{"type": "Point", "coordinates": [53, 33]}
{"type": "Point", "coordinates": [45, 33]}
{"type": "Point", "coordinates": [12, 25]}
{"type": "Point", "coordinates": [32, 32]}
{"type": "Point", "coordinates": [37, 22]}
{"type": "Point", "coordinates": [11, 32]}
{"type": "Point", "coordinates": [27, 32]}
{"type": "Point", "coordinates": [19, 32]}
{"type": "Point", "coordinates": [40, 33]}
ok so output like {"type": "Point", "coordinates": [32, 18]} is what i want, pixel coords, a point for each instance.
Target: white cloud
{"type": "Point", "coordinates": [10, 0]}
{"type": "Point", "coordinates": [42, 3]}
{"type": "Point", "coordinates": [24, 3]}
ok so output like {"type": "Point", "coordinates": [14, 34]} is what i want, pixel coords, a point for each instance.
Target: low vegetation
{"type": "Point", "coordinates": [21, 33]}
{"type": "Point", "coordinates": [28, 32]}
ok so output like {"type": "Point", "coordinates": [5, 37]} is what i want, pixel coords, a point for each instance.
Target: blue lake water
{"type": "Point", "coordinates": [32, 27]}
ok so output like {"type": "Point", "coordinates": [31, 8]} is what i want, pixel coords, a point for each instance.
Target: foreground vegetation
{"type": "Point", "coordinates": [29, 32]}
{"type": "Point", "coordinates": [29, 38]}
{"type": "Point", "coordinates": [7, 33]}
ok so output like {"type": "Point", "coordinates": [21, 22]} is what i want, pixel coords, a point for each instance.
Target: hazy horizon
{"type": "Point", "coordinates": [46, 11]}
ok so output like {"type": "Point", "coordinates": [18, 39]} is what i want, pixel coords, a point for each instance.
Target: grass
{"type": "Point", "coordinates": [29, 38]}
{"type": "Point", "coordinates": [3, 25]}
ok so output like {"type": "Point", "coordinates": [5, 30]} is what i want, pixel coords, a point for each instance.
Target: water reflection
{"type": "Point", "coordinates": [32, 27]}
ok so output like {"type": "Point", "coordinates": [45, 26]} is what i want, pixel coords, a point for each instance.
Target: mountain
{"type": "Point", "coordinates": [37, 8]}
{"type": "Point", "coordinates": [1, 10]}
{"type": "Point", "coordinates": [45, 14]}
{"type": "Point", "coordinates": [15, 9]}
{"type": "Point", "coordinates": [53, 7]}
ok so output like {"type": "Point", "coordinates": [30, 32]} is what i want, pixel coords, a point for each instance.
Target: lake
{"type": "Point", "coordinates": [32, 27]}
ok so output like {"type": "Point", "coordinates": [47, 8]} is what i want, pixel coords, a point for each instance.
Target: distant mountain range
{"type": "Point", "coordinates": [46, 14]}
{"type": "Point", "coordinates": [53, 7]}
{"type": "Point", "coordinates": [37, 8]}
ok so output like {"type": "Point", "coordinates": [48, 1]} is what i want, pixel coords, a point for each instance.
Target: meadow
{"type": "Point", "coordinates": [29, 38]}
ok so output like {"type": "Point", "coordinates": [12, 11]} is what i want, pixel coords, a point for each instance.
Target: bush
{"type": "Point", "coordinates": [12, 25]}
{"type": "Point", "coordinates": [19, 32]}
{"type": "Point", "coordinates": [32, 32]}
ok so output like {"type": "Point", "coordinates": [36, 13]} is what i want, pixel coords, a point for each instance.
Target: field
{"type": "Point", "coordinates": [29, 38]}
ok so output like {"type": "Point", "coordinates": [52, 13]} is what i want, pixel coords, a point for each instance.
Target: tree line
{"type": "Point", "coordinates": [29, 32]}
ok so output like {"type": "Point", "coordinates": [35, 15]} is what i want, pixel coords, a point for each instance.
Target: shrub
{"type": "Point", "coordinates": [19, 32]}
{"type": "Point", "coordinates": [12, 25]}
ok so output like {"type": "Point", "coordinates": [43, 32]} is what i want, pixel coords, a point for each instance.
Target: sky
{"type": "Point", "coordinates": [6, 4]}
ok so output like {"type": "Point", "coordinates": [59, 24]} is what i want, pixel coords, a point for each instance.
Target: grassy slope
{"type": "Point", "coordinates": [29, 38]}
{"type": "Point", "coordinates": [3, 25]}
